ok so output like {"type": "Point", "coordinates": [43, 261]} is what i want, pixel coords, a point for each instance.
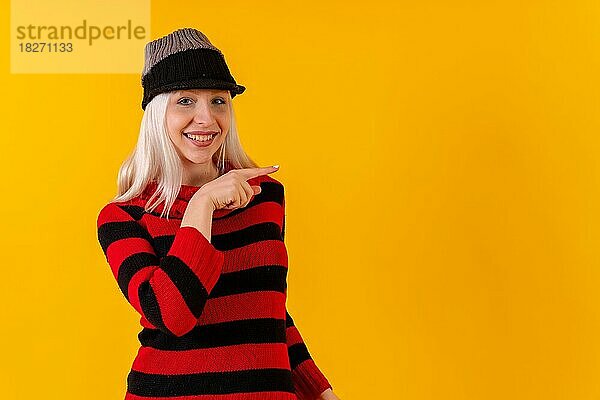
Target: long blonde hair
{"type": "Point", "coordinates": [155, 158]}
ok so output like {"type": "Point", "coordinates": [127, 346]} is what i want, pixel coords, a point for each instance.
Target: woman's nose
{"type": "Point", "coordinates": [203, 113]}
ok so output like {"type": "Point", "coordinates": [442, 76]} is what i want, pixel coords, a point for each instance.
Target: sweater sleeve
{"type": "Point", "coordinates": [170, 293]}
{"type": "Point", "coordinates": [309, 382]}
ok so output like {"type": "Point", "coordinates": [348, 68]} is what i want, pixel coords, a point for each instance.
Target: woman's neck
{"type": "Point", "coordinates": [199, 177]}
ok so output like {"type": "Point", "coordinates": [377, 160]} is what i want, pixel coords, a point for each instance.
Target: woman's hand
{"type": "Point", "coordinates": [231, 191]}
{"type": "Point", "coordinates": [328, 395]}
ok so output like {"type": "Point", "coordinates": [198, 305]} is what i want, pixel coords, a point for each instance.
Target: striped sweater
{"type": "Point", "coordinates": [214, 320]}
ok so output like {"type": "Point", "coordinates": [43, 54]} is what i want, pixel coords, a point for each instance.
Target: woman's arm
{"type": "Point", "coordinates": [198, 214]}
{"type": "Point", "coordinates": [169, 293]}
{"type": "Point", "coordinates": [309, 381]}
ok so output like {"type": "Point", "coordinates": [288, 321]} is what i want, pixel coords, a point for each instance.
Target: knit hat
{"type": "Point", "coordinates": [185, 59]}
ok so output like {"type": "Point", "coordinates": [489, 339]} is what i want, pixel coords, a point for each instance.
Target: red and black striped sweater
{"type": "Point", "coordinates": [214, 320]}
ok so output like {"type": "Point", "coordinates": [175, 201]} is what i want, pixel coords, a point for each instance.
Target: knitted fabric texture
{"type": "Point", "coordinates": [180, 40]}
{"type": "Point", "coordinates": [214, 319]}
{"type": "Point", "coordinates": [185, 59]}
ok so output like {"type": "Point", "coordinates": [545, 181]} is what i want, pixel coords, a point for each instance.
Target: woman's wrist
{"type": "Point", "coordinates": [201, 200]}
{"type": "Point", "coordinates": [198, 214]}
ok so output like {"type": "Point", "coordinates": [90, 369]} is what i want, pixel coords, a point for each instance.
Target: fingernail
{"type": "Point", "coordinates": [276, 166]}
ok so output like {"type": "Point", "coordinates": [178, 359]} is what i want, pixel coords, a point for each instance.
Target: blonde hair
{"type": "Point", "coordinates": [155, 158]}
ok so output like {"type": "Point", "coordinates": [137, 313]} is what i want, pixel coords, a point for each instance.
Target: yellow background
{"type": "Point", "coordinates": [117, 52]}
{"type": "Point", "coordinates": [441, 169]}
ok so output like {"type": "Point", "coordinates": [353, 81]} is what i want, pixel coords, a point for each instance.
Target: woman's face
{"type": "Point", "coordinates": [194, 113]}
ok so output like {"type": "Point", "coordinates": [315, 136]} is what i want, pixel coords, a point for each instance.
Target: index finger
{"type": "Point", "coordinates": [254, 172]}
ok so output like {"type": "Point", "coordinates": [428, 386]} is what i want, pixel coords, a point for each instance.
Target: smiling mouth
{"type": "Point", "coordinates": [200, 138]}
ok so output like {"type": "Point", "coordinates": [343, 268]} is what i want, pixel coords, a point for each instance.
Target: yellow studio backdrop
{"type": "Point", "coordinates": [441, 169]}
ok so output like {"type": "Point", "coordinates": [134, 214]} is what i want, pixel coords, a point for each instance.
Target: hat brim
{"type": "Point", "coordinates": [198, 83]}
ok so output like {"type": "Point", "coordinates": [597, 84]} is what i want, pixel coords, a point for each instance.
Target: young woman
{"type": "Point", "coordinates": [195, 240]}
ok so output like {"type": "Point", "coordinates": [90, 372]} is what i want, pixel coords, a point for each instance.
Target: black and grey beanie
{"type": "Point", "coordinates": [185, 59]}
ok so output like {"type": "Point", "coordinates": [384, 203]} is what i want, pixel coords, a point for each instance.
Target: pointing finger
{"type": "Point", "coordinates": [254, 172]}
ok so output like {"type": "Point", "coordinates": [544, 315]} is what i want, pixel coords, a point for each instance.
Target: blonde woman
{"type": "Point", "coordinates": [195, 240]}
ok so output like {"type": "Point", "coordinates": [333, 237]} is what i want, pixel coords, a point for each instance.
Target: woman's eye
{"type": "Point", "coordinates": [187, 101]}
{"type": "Point", "coordinates": [184, 98]}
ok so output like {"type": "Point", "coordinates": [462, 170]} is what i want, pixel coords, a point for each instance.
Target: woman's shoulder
{"type": "Point", "coordinates": [269, 179]}
{"type": "Point", "coordinates": [272, 189]}
{"type": "Point", "coordinates": [268, 184]}
{"type": "Point", "coordinates": [120, 210]}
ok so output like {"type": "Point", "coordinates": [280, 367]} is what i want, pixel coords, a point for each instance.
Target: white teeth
{"type": "Point", "coordinates": [200, 138]}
